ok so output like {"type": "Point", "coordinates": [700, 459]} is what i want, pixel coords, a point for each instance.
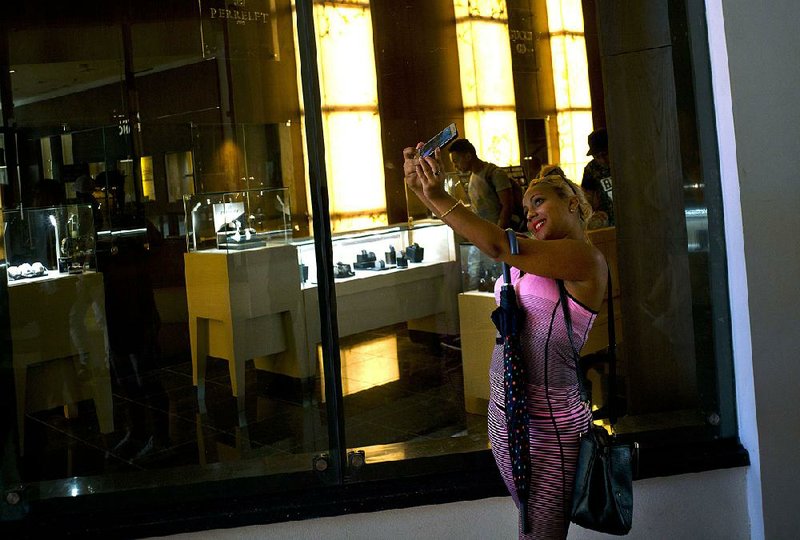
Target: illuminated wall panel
{"type": "Point", "coordinates": [571, 83]}
{"type": "Point", "coordinates": [349, 97]}
{"type": "Point", "coordinates": [487, 87]}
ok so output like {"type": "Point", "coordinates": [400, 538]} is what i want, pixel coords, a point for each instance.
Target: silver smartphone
{"type": "Point", "coordinates": [440, 140]}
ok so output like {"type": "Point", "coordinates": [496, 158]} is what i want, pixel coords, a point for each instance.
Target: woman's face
{"type": "Point", "coordinates": [549, 216]}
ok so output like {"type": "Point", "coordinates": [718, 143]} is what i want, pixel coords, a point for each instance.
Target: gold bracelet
{"type": "Point", "coordinates": [458, 203]}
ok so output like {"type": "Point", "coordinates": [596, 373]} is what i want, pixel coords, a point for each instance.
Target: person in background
{"type": "Point", "coordinates": [557, 215]}
{"type": "Point", "coordinates": [596, 182]}
{"type": "Point", "coordinates": [134, 324]}
{"type": "Point", "coordinates": [490, 190]}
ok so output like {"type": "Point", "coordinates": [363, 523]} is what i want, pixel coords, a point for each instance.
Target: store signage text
{"type": "Point", "coordinates": [238, 13]}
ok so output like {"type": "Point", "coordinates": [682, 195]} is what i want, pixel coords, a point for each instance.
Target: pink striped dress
{"type": "Point", "coordinates": [543, 338]}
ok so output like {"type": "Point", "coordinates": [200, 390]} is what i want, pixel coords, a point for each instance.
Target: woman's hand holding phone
{"type": "Point", "coordinates": [422, 165]}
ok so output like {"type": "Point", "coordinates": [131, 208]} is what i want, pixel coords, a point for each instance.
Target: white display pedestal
{"type": "Point", "coordinates": [245, 305]}
{"type": "Point", "coordinates": [250, 304]}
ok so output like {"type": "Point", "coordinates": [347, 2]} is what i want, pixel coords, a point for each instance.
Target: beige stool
{"type": "Point", "coordinates": [246, 305]}
{"type": "Point", "coordinates": [58, 331]}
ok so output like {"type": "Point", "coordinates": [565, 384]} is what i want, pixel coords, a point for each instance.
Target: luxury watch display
{"type": "Point", "coordinates": [238, 220]}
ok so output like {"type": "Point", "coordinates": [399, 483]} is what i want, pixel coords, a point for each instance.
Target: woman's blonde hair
{"type": "Point", "coordinates": [566, 188]}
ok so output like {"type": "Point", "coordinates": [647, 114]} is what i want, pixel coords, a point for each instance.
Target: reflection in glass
{"type": "Point", "coordinates": [148, 183]}
{"type": "Point", "coordinates": [238, 220]}
{"type": "Point", "coordinates": [180, 175]}
{"type": "Point", "coordinates": [221, 163]}
{"type": "Point", "coordinates": [370, 363]}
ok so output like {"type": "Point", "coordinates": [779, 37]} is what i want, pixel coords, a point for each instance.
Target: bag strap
{"type": "Point", "coordinates": [562, 293]}
{"type": "Point", "coordinates": [612, 348]}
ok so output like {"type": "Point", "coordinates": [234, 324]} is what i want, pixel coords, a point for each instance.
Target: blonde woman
{"type": "Point", "coordinates": [557, 213]}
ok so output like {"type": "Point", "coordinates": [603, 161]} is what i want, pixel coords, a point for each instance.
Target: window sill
{"type": "Point", "coordinates": [379, 486]}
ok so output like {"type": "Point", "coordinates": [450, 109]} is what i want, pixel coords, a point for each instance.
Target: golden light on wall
{"type": "Point", "coordinates": [148, 183]}
{"type": "Point", "coordinates": [571, 83]}
{"type": "Point", "coordinates": [487, 86]}
{"type": "Point", "coordinates": [229, 158]}
{"type": "Point", "coordinates": [350, 120]}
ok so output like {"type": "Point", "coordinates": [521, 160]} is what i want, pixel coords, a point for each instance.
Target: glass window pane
{"type": "Point", "coordinates": [178, 132]}
{"type": "Point", "coordinates": [171, 148]}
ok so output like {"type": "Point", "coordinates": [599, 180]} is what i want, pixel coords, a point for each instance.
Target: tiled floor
{"type": "Point", "coordinates": [396, 390]}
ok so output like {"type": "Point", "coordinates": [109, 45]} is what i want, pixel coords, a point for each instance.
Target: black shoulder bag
{"type": "Point", "coordinates": [602, 498]}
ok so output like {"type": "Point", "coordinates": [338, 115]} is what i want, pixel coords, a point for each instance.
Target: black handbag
{"type": "Point", "coordinates": [602, 497]}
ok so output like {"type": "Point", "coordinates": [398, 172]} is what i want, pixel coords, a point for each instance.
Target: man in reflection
{"type": "Point", "coordinates": [596, 182]}
{"type": "Point", "coordinates": [133, 324]}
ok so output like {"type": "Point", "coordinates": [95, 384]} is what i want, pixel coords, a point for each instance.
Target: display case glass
{"type": "Point", "coordinates": [237, 220]}
{"type": "Point", "coordinates": [47, 240]}
{"type": "Point", "coordinates": [479, 272]}
{"type": "Point", "coordinates": [457, 186]}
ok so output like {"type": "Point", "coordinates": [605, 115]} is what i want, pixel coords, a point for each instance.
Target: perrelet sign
{"type": "Point", "coordinates": [237, 12]}
{"type": "Point", "coordinates": [242, 28]}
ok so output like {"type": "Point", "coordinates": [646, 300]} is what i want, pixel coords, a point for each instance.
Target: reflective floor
{"type": "Point", "coordinates": [399, 392]}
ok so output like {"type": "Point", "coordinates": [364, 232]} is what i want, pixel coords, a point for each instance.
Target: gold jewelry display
{"type": "Point", "coordinates": [458, 203]}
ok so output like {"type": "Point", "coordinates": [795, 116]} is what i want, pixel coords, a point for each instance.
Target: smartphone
{"type": "Point", "coordinates": [440, 140]}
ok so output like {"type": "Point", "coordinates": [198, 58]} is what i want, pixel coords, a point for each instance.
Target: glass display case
{"type": "Point", "coordinates": [369, 252]}
{"type": "Point", "coordinates": [42, 241]}
{"type": "Point", "coordinates": [457, 186]}
{"type": "Point", "coordinates": [237, 220]}
{"type": "Point", "coordinates": [479, 272]}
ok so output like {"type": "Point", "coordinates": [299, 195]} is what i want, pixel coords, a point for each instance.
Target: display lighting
{"type": "Point", "coordinates": [54, 224]}
{"type": "Point", "coordinates": [571, 83]}
{"type": "Point", "coordinates": [487, 84]}
{"type": "Point", "coordinates": [349, 105]}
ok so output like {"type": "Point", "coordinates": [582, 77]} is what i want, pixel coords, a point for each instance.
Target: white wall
{"type": "Point", "coordinates": [710, 505]}
{"type": "Point", "coordinates": [762, 43]}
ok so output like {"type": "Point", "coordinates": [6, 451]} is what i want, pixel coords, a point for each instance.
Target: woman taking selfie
{"type": "Point", "coordinates": [557, 213]}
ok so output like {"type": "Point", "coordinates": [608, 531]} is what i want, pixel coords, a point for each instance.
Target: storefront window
{"type": "Point", "coordinates": [189, 332]}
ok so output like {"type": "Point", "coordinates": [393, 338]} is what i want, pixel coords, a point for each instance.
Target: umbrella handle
{"type": "Point", "coordinates": [512, 242]}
